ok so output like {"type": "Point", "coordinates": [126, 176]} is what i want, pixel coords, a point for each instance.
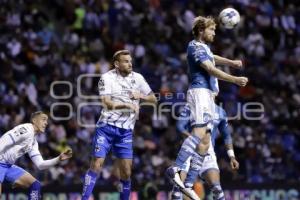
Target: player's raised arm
{"type": "Point", "coordinates": [219, 60]}
{"type": "Point", "coordinates": [219, 74]}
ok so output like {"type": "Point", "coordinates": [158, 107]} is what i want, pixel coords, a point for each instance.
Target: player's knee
{"type": "Point", "coordinates": [217, 191]}
{"type": "Point", "coordinates": [96, 165]}
{"type": "Point", "coordinates": [206, 140]}
{"type": "Point", "coordinates": [125, 172]}
{"type": "Point", "coordinates": [199, 132]}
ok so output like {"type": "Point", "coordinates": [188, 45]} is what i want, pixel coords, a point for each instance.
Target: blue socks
{"type": "Point", "coordinates": [125, 190]}
{"type": "Point", "coordinates": [35, 191]}
{"type": "Point", "coordinates": [187, 150]}
{"type": "Point", "coordinates": [88, 185]}
{"type": "Point", "coordinates": [196, 164]}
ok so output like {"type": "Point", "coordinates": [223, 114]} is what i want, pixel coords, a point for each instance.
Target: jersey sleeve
{"type": "Point", "coordinates": [224, 129]}
{"type": "Point", "coordinates": [199, 54]}
{"type": "Point", "coordinates": [143, 85]}
{"type": "Point", "coordinates": [34, 151]}
{"type": "Point", "coordinates": [38, 160]}
{"type": "Point", "coordinates": [183, 120]}
{"type": "Point", "coordinates": [104, 85]}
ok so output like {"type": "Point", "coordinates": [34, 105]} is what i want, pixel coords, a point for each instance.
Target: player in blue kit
{"type": "Point", "coordinates": [120, 90]}
{"type": "Point", "coordinates": [204, 77]}
{"type": "Point", "coordinates": [208, 170]}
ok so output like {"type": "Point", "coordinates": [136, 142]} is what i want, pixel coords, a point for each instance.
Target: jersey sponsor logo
{"type": "Point", "coordinates": [127, 141]}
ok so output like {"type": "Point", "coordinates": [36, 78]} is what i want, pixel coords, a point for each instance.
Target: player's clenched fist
{"type": "Point", "coordinates": [237, 64]}
{"type": "Point", "coordinates": [241, 81]}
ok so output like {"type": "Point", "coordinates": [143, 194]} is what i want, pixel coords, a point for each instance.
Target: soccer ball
{"type": "Point", "coordinates": [229, 18]}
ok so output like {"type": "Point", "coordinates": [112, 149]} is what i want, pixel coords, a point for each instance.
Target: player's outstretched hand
{"type": "Point", "coordinates": [67, 154]}
{"type": "Point", "coordinates": [241, 81]}
{"type": "Point", "coordinates": [234, 163]}
{"type": "Point", "coordinates": [237, 64]}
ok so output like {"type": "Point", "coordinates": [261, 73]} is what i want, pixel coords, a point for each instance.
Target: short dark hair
{"type": "Point", "coordinates": [117, 54]}
{"type": "Point", "coordinates": [35, 114]}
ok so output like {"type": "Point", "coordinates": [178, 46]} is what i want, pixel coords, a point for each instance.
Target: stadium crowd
{"type": "Point", "coordinates": [46, 41]}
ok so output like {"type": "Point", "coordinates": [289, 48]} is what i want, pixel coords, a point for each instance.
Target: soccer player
{"type": "Point", "coordinates": [209, 170]}
{"type": "Point", "coordinates": [204, 77]}
{"type": "Point", "coordinates": [19, 141]}
{"type": "Point", "coordinates": [120, 90]}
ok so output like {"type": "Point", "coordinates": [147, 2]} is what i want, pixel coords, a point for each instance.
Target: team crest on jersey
{"type": "Point", "coordinates": [101, 82]}
{"type": "Point", "coordinates": [206, 117]}
{"type": "Point", "coordinates": [97, 148]}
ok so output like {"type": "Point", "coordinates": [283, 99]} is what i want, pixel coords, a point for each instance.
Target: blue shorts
{"type": "Point", "coordinates": [107, 136]}
{"type": "Point", "coordinates": [10, 173]}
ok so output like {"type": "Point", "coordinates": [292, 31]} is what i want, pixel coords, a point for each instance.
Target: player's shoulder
{"type": "Point", "coordinates": [195, 43]}
{"type": "Point", "coordinates": [137, 75]}
{"type": "Point", "coordinates": [195, 46]}
{"type": "Point", "coordinates": [110, 74]}
{"type": "Point", "coordinates": [26, 128]}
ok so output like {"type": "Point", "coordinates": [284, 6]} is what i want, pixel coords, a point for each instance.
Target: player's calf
{"type": "Point", "coordinates": [196, 164]}
{"type": "Point", "coordinates": [90, 177]}
{"type": "Point", "coordinates": [125, 174]}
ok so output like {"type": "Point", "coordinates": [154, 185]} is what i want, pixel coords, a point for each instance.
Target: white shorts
{"type": "Point", "coordinates": [202, 105]}
{"type": "Point", "coordinates": [209, 163]}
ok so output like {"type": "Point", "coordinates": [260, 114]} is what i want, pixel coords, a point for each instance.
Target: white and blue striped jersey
{"type": "Point", "coordinates": [17, 142]}
{"type": "Point", "coordinates": [119, 89]}
{"type": "Point", "coordinates": [197, 53]}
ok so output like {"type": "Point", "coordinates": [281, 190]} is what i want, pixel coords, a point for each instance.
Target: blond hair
{"type": "Point", "coordinates": [201, 23]}
{"type": "Point", "coordinates": [120, 53]}
{"type": "Point", "coordinates": [117, 56]}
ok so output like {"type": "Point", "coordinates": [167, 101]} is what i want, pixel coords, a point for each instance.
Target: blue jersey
{"type": "Point", "coordinates": [220, 124]}
{"type": "Point", "coordinates": [197, 53]}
